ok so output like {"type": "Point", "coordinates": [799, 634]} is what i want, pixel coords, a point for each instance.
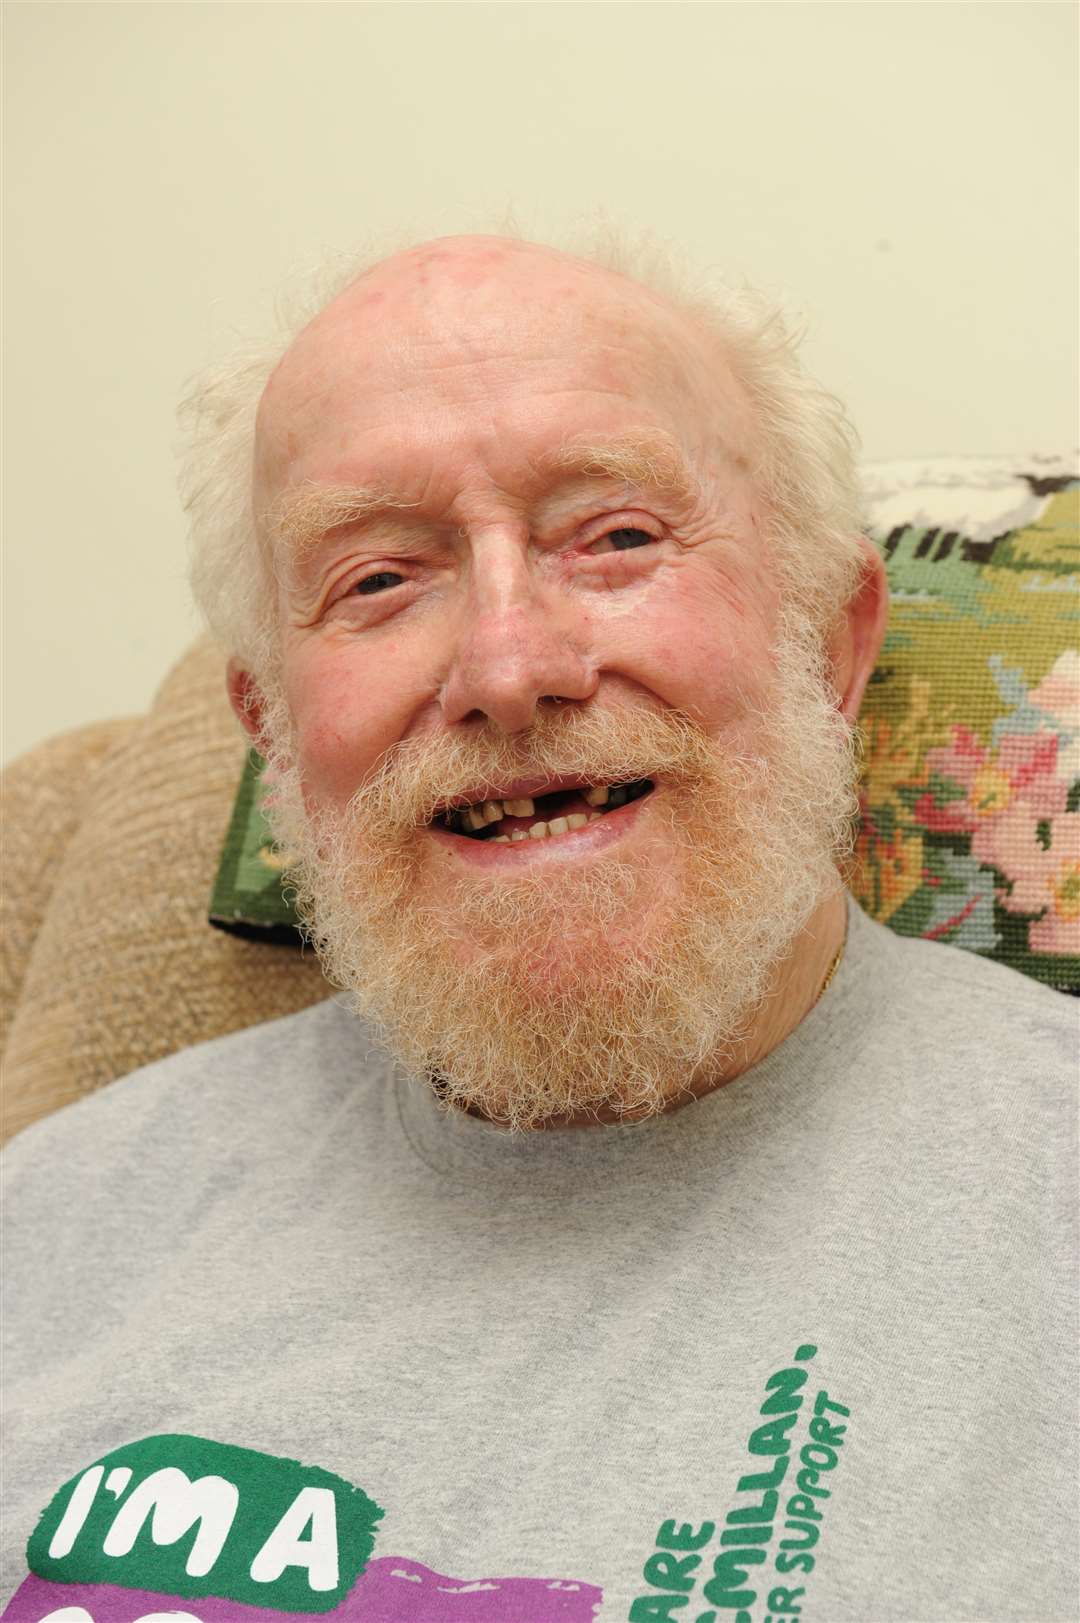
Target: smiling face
{"type": "Point", "coordinates": [520, 552]}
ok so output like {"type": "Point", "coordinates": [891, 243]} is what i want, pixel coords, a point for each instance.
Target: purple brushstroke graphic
{"type": "Point", "coordinates": [391, 1589]}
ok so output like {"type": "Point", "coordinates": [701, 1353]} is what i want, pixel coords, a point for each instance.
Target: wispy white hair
{"type": "Point", "coordinates": [805, 472]}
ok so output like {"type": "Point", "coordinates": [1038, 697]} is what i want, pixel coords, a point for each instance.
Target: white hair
{"type": "Point", "coordinates": [805, 473]}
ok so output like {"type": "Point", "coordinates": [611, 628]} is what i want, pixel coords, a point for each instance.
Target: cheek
{"type": "Point", "coordinates": [704, 648]}
{"type": "Point", "coordinates": [346, 716]}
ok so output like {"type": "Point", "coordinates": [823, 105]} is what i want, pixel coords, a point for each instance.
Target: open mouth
{"type": "Point", "coordinates": [540, 817]}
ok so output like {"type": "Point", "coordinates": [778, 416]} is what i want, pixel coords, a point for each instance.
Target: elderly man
{"type": "Point", "coordinates": [643, 1233]}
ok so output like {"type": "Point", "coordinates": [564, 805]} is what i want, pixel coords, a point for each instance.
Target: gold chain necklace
{"type": "Point", "coordinates": [833, 967]}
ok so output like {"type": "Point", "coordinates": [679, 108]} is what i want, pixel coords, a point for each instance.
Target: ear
{"type": "Point", "coordinates": [247, 701]}
{"type": "Point", "coordinates": [856, 638]}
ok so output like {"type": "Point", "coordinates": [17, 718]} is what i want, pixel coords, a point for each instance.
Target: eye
{"type": "Point", "coordinates": [378, 583]}
{"type": "Point", "coordinates": [622, 540]}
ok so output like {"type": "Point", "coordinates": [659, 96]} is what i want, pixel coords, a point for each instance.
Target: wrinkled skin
{"type": "Point", "coordinates": [450, 375]}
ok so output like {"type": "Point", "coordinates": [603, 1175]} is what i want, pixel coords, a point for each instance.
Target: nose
{"type": "Point", "coordinates": [520, 641]}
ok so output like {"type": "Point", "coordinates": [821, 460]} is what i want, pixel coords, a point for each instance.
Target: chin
{"type": "Point", "coordinates": [561, 931]}
{"type": "Point", "coordinates": [574, 964]}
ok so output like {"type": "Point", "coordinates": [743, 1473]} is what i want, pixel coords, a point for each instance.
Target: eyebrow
{"type": "Point", "coordinates": [304, 515]}
{"type": "Point", "coordinates": [650, 458]}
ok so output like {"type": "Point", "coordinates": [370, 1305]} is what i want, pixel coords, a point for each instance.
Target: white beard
{"type": "Point", "coordinates": [588, 986]}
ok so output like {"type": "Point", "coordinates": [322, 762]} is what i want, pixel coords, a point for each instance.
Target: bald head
{"type": "Point", "coordinates": [480, 290]}
{"type": "Point", "coordinates": [491, 332]}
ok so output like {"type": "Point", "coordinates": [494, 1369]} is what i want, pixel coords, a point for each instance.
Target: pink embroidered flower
{"type": "Point", "coordinates": [959, 763]}
{"type": "Point", "coordinates": [1045, 877]}
{"type": "Point", "coordinates": [1059, 930]}
{"type": "Point", "coordinates": [1029, 760]}
{"type": "Point", "coordinates": [1023, 768]}
{"type": "Point", "coordinates": [1058, 696]}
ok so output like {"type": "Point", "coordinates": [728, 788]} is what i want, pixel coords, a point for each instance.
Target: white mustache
{"type": "Point", "coordinates": [417, 778]}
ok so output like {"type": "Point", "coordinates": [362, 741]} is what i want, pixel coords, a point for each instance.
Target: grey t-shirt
{"type": "Point", "coordinates": [285, 1339]}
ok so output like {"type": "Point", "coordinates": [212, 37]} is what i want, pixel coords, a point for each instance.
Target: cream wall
{"type": "Point", "coordinates": [907, 171]}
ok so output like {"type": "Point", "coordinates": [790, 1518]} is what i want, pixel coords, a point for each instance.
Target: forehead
{"type": "Point", "coordinates": [488, 353]}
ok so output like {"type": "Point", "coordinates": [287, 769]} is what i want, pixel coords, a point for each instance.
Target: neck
{"type": "Point", "coordinates": [797, 983]}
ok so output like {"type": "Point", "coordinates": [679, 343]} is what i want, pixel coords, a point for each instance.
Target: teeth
{"type": "Point", "coordinates": [544, 831]}
{"type": "Point", "coordinates": [479, 816]}
{"type": "Point", "coordinates": [491, 811]}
